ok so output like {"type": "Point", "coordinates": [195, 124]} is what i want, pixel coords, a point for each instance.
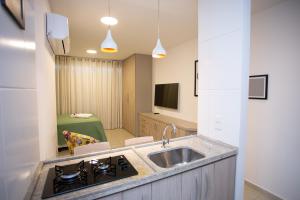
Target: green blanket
{"type": "Point", "coordinates": [87, 126]}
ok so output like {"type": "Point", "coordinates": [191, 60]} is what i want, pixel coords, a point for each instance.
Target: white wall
{"type": "Point", "coordinates": [45, 73]}
{"type": "Point", "coordinates": [273, 144]}
{"type": "Point", "coordinates": [19, 138]}
{"type": "Point", "coordinates": [178, 67]}
{"type": "Point", "coordinates": [224, 50]}
{"type": "Point", "coordinates": [27, 99]}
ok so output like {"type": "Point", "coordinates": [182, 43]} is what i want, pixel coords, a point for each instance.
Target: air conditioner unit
{"type": "Point", "coordinates": [58, 33]}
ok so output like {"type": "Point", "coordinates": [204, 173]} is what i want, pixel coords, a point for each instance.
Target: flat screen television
{"type": "Point", "coordinates": [166, 95]}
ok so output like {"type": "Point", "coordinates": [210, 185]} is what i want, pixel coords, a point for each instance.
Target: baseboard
{"type": "Point", "coordinates": [265, 192]}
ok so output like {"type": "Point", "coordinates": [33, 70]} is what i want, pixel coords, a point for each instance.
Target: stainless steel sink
{"type": "Point", "coordinates": [173, 157]}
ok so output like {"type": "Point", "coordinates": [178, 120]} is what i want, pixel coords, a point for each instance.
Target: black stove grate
{"type": "Point", "coordinates": [64, 179]}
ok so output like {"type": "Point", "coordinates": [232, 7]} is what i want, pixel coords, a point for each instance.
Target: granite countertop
{"type": "Point", "coordinates": [213, 151]}
{"type": "Point", "coordinates": [138, 157]}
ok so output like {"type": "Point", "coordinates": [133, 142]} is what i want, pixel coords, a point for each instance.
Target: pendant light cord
{"type": "Point", "coordinates": [108, 3]}
{"type": "Point", "coordinates": [158, 2]}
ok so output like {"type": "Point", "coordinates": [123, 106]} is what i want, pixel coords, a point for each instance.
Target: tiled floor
{"type": "Point", "coordinates": [251, 193]}
{"type": "Point", "coordinates": [116, 137]}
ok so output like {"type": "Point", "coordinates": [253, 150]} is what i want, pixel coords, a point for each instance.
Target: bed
{"type": "Point", "coordinates": [91, 126]}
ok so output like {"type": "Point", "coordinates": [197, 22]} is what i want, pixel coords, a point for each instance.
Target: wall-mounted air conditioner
{"type": "Point", "coordinates": [58, 33]}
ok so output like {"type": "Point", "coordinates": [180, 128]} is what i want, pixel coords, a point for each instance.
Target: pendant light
{"type": "Point", "coordinates": [158, 51]}
{"type": "Point", "coordinates": [109, 45]}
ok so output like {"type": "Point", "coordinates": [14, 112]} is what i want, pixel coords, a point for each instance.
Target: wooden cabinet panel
{"type": "Point", "coordinates": [152, 127]}
{"type": "Point", "coordinates": [218, 180]}
{"type": "Point", "coordinates": [131, 91]}
{"type": "Point", "coordinates": [208, 186]}
{"type": "Point", "coordinates": [117, 196]}
{"type": "Point", "coordinates": [180, 133]}
{"type": "Point", "coordinates": [128, 100]}
{"type": "Point", "coordinates": [224, 179]}
{"type": "Point", "coordinates": [137, 90]}
{"type": "Point", "coordinates": [167, 189]}
{"type": "Point", "coordinates": [138, 193]}
{"type": "Point", "coordinates": [160, 129]}
{"type": "Point", "coordinates": [144, 127]}
{"type": "Point", "coordinates": [192, 184]}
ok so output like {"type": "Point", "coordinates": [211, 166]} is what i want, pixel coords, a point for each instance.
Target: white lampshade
{"type": "Point", "coordinates": [109, 45]}
{"type": "Point", "coordinates": [159, 51]}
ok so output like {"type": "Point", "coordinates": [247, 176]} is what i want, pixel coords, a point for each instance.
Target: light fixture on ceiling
{"type": "Point", "coordinates": [109, 45]}
{"type": "Point", "coordinates": [91, 51]}
{"type": "Point", "coordinates": [110, 21]}
{"type": "Point", "coordinates": [158, 51]}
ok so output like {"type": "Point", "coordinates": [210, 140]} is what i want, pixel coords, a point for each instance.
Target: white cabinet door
{"type": "Point", "coordinates": [138, 193]}
{"type": "Point", "coordinates": [167, 189]}
{"type": "Point", "coordinates": [192, 184]}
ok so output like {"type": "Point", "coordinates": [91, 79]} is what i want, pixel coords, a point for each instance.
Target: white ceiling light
{"type": "Point", "coordinates": [110, 21]}
{"type": "Point", "coordinates": [91, 51]}
{"type": "Point", "coordinates": [109, 45]}
{"type": "Point", "coordinates": [158, 51]}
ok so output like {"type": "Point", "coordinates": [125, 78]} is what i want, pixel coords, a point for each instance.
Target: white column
{"type": "Point", "coordinates": [223, 54]}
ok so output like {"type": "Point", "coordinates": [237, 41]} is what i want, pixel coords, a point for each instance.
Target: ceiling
{"type": "Point", "coordinates": [136, 30]}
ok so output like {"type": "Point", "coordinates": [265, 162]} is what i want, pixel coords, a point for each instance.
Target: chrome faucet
{"type": "Point", "coordinates": [165, 139]}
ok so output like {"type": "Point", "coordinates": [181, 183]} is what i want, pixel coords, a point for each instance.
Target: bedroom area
{"type": "Point", "coordinates": [112, 89]}
{"type": "Point", "coordinates": [90, 94]}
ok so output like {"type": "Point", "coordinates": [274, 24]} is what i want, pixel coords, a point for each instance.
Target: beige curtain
{"type": "Point", "coordinates": [90, 86]}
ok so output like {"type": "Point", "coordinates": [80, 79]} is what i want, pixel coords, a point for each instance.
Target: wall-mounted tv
{"type": "Point", "coordinates": [166, 95]}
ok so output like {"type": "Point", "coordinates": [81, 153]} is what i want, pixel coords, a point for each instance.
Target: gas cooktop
{"type": "Point", "coordinates": [68, 178]}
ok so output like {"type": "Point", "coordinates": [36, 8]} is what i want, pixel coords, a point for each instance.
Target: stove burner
{"type": "Point", "coordinates": [66, 175]}
{"type": "Point", "coordinates": [100, 165]}
{"type": "Point", "coordinates": [103, 167]}
{"type": "Point", "coordinates": [68, 178]}
{"type": "Point", "coordinates": [66, 172]}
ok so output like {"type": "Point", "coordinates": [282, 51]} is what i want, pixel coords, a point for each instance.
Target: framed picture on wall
{"type": "Point", "coordinates": [258, 87]}
{"type": "Point", "coordinates": [15, 9]}
{"type": "Point", "coordinates": [196, 79]}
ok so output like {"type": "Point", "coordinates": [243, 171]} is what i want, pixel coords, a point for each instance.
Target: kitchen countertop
{"type": "Point", "coordinates": [138, 157]}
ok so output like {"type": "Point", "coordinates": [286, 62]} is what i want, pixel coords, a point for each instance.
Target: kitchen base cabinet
{"type": "Point", "coordinates": [192, 185]}
{"type": "Point", "coordinates": [138, 193]}
{"type": "Point", "coordinates": [214, 181]}
{"type": "Point", "coordinates": [208, 186]}
{"type": "Point", "coordinates": [218, 180]}
{"type": "Point", "coordinates": [224, 179]}
{"type": "Point", "coordinates": [167, 189]}
{"type": "Point", "coordinates": [117, 196]}
{"type": "Point", "coordinates": [153, 125]}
